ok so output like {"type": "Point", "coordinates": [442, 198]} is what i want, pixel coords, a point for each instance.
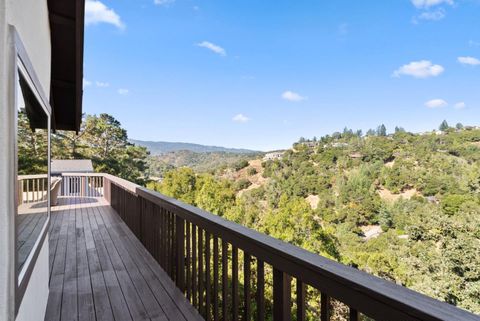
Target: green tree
{"type": "Point", "coordinates": [444, 126]}
{"type": "Point", "coordinates": [180, 184]}
{"type": "Point", "coordinates": [382, 130]}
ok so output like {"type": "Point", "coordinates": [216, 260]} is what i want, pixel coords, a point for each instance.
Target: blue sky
{"type": "Point", "coordinates": [260, 74]}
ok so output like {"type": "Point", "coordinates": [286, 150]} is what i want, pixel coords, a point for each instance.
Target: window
{"type": "Point", "coordinates": [32, 186]}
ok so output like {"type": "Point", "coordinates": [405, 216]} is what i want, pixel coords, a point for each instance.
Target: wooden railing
{"type": "Point", "coordinates": [206, 255]}
{"type": "Point", "coordinates": [32, 188]}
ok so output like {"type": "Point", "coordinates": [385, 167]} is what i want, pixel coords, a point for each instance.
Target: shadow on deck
{"type": "Point", "coordinates": [99, 270]}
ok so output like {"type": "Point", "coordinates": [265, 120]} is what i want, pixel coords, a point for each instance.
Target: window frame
{"type": "Point", "coordinates": [20, 63]}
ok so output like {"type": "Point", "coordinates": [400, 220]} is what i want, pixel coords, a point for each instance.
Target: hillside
{"type": "Point", "coordinates": [158, 148]}
{"type": "Point", "coordinates": [200, 162]}
{"type": "Point", "coordinates": [405, 207]}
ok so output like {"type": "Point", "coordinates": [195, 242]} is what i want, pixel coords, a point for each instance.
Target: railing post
{"type": "Point", "coordinates": [180, 235]}
{"type": "Point", "coordinates": [107, 190]}
{"type": "Point", "coordinates": [281, 295]}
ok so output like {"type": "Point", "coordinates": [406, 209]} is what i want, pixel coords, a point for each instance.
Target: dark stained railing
{"type": "Point", "coordinates": [205, 255]}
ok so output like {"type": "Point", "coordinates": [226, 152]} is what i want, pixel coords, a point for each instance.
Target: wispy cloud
{"type": "Point", "coordinates": [422, 4]}
{"type": "Point", "coordinates": [240, 118]}
{"type": "Point", "coordinates": [435, 15]}
{"type": "Point", "coordinates": [419, 69]}
{"type": "Point", "coordinates": [473, 43]}
{"type": "Point", "coordinates": [292, 96]}
{"type": "Point", "coordinates": [163, 2]}
{"type": "Point", "coordinates": [96, 12]}
{"type": "Point", "coordinates": [123, 91]}
{"type": "Point", "coordinates": [429, 12]}
{"type": "Point", "coordinates": [460, 105]}
{"type": "Point", "coordinates": [213, 47]}
{"type": "Point", "coordinates": [472, 61]}
{"type": "Point", "coordinates": [86, 83]}
{"type": "Point", "coordinates": [101, 84]}
{"type": "Point", "coordinates": [436, 103]}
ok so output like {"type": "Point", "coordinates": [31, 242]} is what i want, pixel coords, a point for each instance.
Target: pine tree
{"type": "Point", "coordinates": [382, 130]}
{"type": "Point", "coordinates": [444, 126]}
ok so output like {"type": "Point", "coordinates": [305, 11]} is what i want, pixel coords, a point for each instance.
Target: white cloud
{"type": "Point", "coordinates": [419, 69]}
{"type": "Point", "coordinates": [96, 12]}
{"type": "Point", "coordinates": [436, 15]}
{"type": "Point", "coordinates": [102, 84]}
{"type": "Point", "coordinates": [436, 103]}
{"type": "Point", "coordinates": [213, 47]}
{"type": "Point", "coordinates": [86, 83]}
{"type": "Point", "coordinates": [292, 96]}
{"type": "Point", "coordinates": [123, 91]}
{"type": "Point", "coordinates": [460, 105]}
{"type": "Point", "coordinates": [240, 118]}
{"type": "Point", "coordinates": [163, 2]}
{"type": "Point", "coordinates": [430, 3]}
{"type": "Point", "coordinates": [472, 61]}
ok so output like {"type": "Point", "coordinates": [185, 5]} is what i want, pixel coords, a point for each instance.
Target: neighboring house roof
{"type": "Point", "coordinates": [71, 166]}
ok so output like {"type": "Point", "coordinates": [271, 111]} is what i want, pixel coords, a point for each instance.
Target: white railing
{"type": "Point", "coordinates": [82, 184]}
{"type": "Point", "coordinates": [32, 188]}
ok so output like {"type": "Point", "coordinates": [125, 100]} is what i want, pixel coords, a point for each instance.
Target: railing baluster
{"type": "Point", "coordinates": [200, 272]}
{"type": "Point", "coordinates": [225, 280]}
{"type": "Point", "coordinates": [215, 279]}
{"type": "Point", "coordinates": [234, 283]}
{"type": "Point", "coordinates": [353, 315]}
{"type": "Point", "coordinates": [246, 286]}
{"type": "Point", "coordinates": [260, 291]}
{"type": "Point", "coordinates": [300, 300]}
{"type": "Point", "coordinates": [194, 266]}
{"type": "Point", "coordinates": [325, 307]}
{"type": "Point", "coordinates": [188, 263]}
{"type": "Point", "coordinates": [180, 242]}
{"type": "Point", "coordinates": [165, 240]}
{"type": "Point", "coordinates": [173, 249]}
{"type": "Point", "coordinates": [208, 285]}
{"type": "Point", "coordinates": [281, 295]}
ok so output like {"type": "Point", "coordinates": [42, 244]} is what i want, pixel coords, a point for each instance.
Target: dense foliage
{"type": "Point", "coordinates": [419, 193]}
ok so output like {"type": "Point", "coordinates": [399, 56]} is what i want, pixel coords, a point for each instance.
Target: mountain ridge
{"type": "Point", "coordinates": [161, 147]}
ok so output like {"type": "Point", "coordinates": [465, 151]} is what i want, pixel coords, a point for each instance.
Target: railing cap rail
{"type": "Point", "coordinates": [34, 176]}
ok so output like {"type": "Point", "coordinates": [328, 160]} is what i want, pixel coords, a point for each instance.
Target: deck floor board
{"type": "Point", "coordinates": [100, 271]}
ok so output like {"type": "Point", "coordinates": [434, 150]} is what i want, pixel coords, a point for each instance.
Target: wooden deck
{"type": "Point", "coordinates": [100, 271]}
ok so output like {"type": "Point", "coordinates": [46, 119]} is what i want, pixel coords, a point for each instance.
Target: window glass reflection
{"type": "Point", "coordinates": [33, 183]}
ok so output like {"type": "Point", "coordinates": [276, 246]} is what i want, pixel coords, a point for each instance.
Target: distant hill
{"type": "Point", "coordinates": [200, 162]}
{"type": "Point", "coordinates": [159, 148]}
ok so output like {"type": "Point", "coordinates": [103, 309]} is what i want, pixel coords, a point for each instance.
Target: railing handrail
{"type": "Point", "coordinates": [369, 294]}
{"type": "Point", "coordinates": [84, 174]}
{"type": "Point", "coordinates": [33, 176]}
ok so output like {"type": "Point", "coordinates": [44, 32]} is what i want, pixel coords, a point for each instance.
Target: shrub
{"type": "Point", "coordinates": [241, 164]}
{"type": "Point", "coordinates": [242, 184]}
{"type": "Point", "coordinates": [251, 171]}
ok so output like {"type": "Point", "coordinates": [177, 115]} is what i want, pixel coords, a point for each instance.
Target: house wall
{"type": "Point", "coordinates": [30, 18]}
